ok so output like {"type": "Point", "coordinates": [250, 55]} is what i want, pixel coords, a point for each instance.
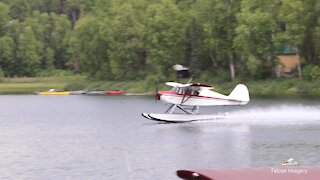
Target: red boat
{"type": "Point", "coordinates": [272, 173]}
{"type": "Point", "coordinates": [110, 92]}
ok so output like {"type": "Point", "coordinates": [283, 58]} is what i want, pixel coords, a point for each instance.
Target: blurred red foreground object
{"type": "Point", "coordinates": [272, 173]}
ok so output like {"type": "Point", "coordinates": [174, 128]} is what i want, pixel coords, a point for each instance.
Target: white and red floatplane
{"type": "Point", "coordinates": [189, 97]}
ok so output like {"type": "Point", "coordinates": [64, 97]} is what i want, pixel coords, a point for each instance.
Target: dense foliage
{"type": "Point", "coordinates": [142, 39]}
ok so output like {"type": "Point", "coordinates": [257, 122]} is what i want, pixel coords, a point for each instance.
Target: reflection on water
{"type": "Point", "coordinates": [101, 137]}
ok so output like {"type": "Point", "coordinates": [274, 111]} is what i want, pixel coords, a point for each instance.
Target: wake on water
{"type": "Point", "coordinates": [281, 114]}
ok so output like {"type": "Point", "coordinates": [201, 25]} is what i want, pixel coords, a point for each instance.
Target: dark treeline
{"type": "Point", "coordinates": [138, 39]}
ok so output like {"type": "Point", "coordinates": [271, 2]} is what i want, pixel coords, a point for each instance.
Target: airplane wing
{"type": "Point", "coordinates": [175, 84]}
{"type": "Point", "coordinates": [201, 86]}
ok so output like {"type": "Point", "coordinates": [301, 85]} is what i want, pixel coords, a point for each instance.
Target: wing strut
{"type": "Point", "coordinates": [184, 110]}
{"type": "Point", "coordinates": [194, 110]}
{"type": "Point", "coordinates": [171, 109]}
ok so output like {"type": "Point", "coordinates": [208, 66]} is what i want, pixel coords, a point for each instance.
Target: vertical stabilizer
{"type": "Point", "coordinates": [240, 93]}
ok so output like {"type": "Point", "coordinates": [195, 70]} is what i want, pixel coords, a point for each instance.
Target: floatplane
{"type": "Point", "coordinates": [190, 96]}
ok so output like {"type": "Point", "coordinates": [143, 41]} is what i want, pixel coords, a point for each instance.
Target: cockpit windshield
{"type": "Point", "coordinates": [191, 91]}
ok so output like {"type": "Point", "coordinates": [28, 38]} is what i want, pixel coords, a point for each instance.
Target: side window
{"type": "Point", "coordinates": [175, 89]}
{"type": "Point", "coordinates": [188, 91]}
{"type": "Point", "coordinates": [195, 92]}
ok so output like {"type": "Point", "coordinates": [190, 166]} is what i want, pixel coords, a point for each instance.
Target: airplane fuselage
{"type": "Point", "coordinates": [208, 98]}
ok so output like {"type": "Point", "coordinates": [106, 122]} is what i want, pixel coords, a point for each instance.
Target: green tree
{"type": "Point", "coordinates": [4, 17]}
{"type": "Point", "coordinates": [7, 55]}
{"type": "Point", "coordinates": [89, 49]}
{"type": "Point", "coordinates": [218, 20]}
{"type": "Point", "coordinates": [126, 31]}
{"type": "Point", "coordinates": [40, 25]}
{"type": "Point", "coordinates": [19, 9]}
{"type": "Point", "coordinates": [74, 10]}
{"type": "Point", "coordinates": [60, 35]}
{"type": "Point", "coordinates": [254, 40]}
{"type": "Point", "coordinates": [27, 58]}
{"type": "Point", "coordinates": [51, 31]}
{"type": "Point", "coordinates": [291, 17]}
{"type": "Point", "coordinates": [317, 32]}
{"type": "Point", "coordinates": [166, 29]}
{"type": "Point", "coordinates": [311, 46]}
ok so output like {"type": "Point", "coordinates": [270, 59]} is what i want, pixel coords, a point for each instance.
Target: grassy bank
{"type": "Point", "coordinates": [30, 85]}
{"type": "Point", "coordinates": [266, 87]}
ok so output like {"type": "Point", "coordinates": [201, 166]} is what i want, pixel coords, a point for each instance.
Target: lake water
{"type": "Point", "coordinates": [105, 137]}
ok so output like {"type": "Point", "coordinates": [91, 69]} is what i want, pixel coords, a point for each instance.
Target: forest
{"type": "Point", "coordinates": [124, 40]}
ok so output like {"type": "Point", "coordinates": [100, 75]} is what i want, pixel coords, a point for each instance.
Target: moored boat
{"type": "Point", "coordinates": [78, 92]}
{"type": "Point", "coordinates": [53, 93]}
{"type": "Point", "coordinates": [112, 92]}
{"type": "Point", "coordinates": [95, 92]}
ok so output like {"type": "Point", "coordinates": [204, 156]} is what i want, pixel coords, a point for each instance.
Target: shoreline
{"type": "Point", "coordinates": [272, 87]}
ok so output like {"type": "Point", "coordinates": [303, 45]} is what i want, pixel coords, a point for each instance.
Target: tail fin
{"type": "Point", "coordinates": [240, 93]}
